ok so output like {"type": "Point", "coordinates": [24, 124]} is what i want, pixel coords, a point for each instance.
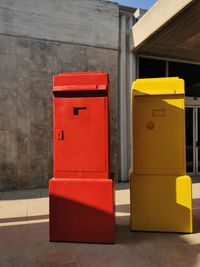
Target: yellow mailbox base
{"type": "Point", "coordinates": [161, 203]}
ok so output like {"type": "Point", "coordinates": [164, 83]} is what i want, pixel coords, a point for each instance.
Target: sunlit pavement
{"type": "Point", "coordinates": [24, 237]}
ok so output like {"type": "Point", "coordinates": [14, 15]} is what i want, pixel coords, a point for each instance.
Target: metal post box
{"type": "Point", "coordinates": [160, 189]}
{"type": "Point", "coordinates": [82, 210]}
{"type": "Point", "coordinates": [159, 123]}
{"type": "Point", "coordinates": [82, 191]}
{"type": "Point", "coordinates": [81, 125]}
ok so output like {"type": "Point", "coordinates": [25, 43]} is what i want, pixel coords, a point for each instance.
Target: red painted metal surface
{"type": "Point", "coordinates": [77, 81]}
{"type": "Point", "coordinates": [81, 193]}
{"type": "Point", "coordinates": [81, 127]}
{"type": "Point", "coordinates": [82, 210]}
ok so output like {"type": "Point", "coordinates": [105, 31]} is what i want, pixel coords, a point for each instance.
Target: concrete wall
{"type": "Point", "coordinates": [75, 21]}
{"type": "Point", "coordinates": [38, 39]}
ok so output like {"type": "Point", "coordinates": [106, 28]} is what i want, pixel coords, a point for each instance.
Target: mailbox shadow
{"type": "Point", "coordinates": [74, 221]}
{"type": "Point", "coordinates": [160, 248]}
{"type": "Point", "coordinates": [24, 243]}
{"type": "Point", "coordinates": [125, 208]}
{"type": "Point", "coordinates": [23, 219]}
{"type": "Point", "coordinates": [196, 215]}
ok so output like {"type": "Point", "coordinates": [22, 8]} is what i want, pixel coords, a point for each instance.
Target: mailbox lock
{"type": "Point", "coordinates": [60, 134]}
{"type": "Point", "coordinates": [150, 125]}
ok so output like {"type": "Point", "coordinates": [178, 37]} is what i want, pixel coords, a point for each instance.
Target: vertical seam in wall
{"type": "Point", "coordinates": [123, 100]}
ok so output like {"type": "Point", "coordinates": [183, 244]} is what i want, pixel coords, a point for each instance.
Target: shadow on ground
{"type": "Point", "coordinates": [25, 242]}
{"type": "Point", "coordinates": [160, 249]}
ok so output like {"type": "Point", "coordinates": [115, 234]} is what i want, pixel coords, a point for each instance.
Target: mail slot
{"type": "Point", "coordinates": [81, 125]}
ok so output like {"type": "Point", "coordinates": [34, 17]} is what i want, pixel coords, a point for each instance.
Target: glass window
{"type": "Point", "coordinates": [151, 68]}
{"type": "Point", "coordinates": [189, 139]}
{"type": "Point", "coordinates": [190, 73]}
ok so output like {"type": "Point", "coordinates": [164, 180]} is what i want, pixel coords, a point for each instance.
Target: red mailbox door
{"type": "Point", "coordinates": [81, 137]}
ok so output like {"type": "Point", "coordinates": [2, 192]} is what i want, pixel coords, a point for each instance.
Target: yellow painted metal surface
{"type": "Point", "coordinates": [156, 86]}
{"type": "Point", "coordinates": [161, 203]}
{"type": "Point", "coordinates": [158, 127]}
{"type": "Point", "coordinates": [160, 190]}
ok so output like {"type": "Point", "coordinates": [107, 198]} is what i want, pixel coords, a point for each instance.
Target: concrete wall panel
{"type": "Point", "coordinates": [8, 159]}
{"type": "Point", "coordinates": [26, 105]}
{"type": "Point", "coordinates": [38, 39]}
{"type": "Point", "coordinates": [90, 22]}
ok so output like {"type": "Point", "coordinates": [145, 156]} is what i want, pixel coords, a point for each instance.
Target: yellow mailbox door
{"type": "Point", "coordinates": [161, 198]}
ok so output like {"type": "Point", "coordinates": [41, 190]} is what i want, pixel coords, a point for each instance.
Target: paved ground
{"type": "Point", "coordinates": [24, 238]}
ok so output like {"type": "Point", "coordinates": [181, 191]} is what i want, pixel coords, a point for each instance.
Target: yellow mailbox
{"type": "Point", "coordinates": [161, 195]}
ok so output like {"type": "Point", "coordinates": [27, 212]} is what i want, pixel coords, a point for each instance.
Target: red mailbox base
{"type": "Point", "coordinates": [82, 210]}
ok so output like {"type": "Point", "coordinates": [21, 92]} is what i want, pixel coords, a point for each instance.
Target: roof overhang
{"type": "Point", "coordinates": [169, 29]}
{"type": "Point", "coordinates": [127, 9]}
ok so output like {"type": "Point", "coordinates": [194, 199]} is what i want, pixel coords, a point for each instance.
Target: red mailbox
{"type": "Point", "coordinates": [81, 125]}
{"type": "Point", "coordinates": [82, 210]}
{"type": "Point", "coordinates": [82, 191]}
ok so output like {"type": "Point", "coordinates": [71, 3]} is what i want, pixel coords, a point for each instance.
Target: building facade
{"type": "Point", "coordinates": [41, 38]}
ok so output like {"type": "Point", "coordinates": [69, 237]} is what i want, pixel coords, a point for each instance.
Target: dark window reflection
{"type": "Point", "coordinates": [189, 139]}
{"type": "Point", "coordinates": [151, 68]}
{"type": "Point", "coordinates": [190, 73]}
{"type": "Point", "coordinates": [198, 137]}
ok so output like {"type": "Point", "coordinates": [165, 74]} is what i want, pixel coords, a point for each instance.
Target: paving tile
{"type": "Point", "coordinates": [38, 206]}
{"type": "Point", "coordinates": [13, 208]}
{"type": "Point", "coordinates": [24, 231]}
{"type": "Point", "coordinates": [196, 190]}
